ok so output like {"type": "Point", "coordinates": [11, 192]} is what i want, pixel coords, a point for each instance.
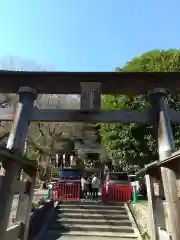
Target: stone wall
{"type": "Point", "coordinates": [140, 211]}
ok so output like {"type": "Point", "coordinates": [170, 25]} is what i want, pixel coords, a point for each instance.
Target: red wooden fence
{"type": "Point", "coordinates": [64, 191]}
{"type": "Point", "coordinates": [116, 192]}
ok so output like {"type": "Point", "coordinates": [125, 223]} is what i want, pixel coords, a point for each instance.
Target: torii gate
{"type": "Point", "coordinates": [90, 86]}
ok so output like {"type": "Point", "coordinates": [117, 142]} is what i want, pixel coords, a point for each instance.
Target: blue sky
{"type": "Point", "coordinates": [87, 35]}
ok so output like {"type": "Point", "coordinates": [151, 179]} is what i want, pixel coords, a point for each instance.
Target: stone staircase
{"type": "Point", "coordinates": [90, 220]}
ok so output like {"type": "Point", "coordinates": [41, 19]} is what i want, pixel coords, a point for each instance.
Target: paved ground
{"type": "Point", "coordinates": [145, 203]}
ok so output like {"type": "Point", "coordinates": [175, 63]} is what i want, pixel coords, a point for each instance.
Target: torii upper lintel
{"type": "Point", "coordinates": [69, 82]}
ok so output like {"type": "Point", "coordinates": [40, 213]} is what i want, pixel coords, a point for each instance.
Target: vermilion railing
{"type": "Point", "coordinates": [116, 192]}
{"type": "Point", "coordinates": [64, 191]}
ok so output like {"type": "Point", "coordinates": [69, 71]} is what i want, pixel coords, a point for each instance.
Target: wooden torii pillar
{"type": "Point", "coordinates": [165, 149]}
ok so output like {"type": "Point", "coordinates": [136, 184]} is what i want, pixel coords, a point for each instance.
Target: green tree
{"type": "Point", "coordinates": [134, 144]}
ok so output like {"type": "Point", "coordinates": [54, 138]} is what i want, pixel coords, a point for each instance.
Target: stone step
{"type": "Point", "coordinates": [72, 237]}
{"type": "Point", "coordinates": [86, 206]}
{"type": "Point", "coordinates": [95, 221]}
{"type": "Point", "coordinates": [87, 227]}
{"type": "Point", "coordinates": [54, 234]}
{"type": "Point", "coordinates": [92, 211]}
{"type": "Point", "coordinates": [91, 206]}
{"type": "Point", "coordinates": [92, 202]}
{"type": "Point", "coordinates": [92, 216]}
